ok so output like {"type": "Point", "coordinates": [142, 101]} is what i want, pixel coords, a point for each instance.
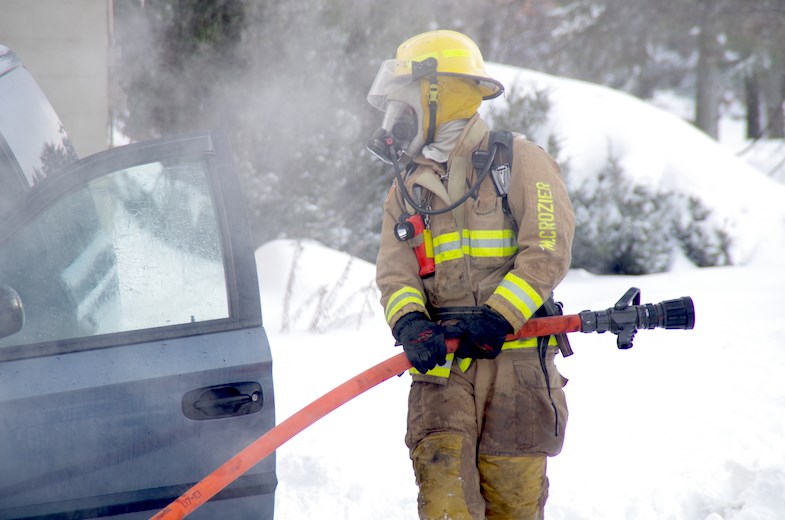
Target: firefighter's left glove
{"type": "Point", "coordinates": [484, 334]}
{"type": "Point", "coordinates": [422, 340]}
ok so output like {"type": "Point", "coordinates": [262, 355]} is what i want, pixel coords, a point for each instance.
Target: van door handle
{"type": "Point", "coordinates": [219, 401]}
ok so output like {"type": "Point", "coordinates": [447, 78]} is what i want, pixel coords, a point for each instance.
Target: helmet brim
{"type": "Point", "coordinates": [489, 87]}
{"type": "Point", "coordinates": [389, 79]}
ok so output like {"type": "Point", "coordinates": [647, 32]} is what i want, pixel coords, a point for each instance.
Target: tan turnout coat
{"type": "Point", "coordinates": [482, 262]}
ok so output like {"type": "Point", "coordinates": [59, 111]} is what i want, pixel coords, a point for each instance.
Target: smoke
{"type": "Point", "coordinates": [287, 82]}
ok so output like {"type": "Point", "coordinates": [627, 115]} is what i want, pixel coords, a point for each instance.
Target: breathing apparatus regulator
{"type": "Point", "coordinates": [399, 92]}
{"type": "Point", "coordinates": [400, 99]}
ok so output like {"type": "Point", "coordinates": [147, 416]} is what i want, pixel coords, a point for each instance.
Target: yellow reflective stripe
{"type": "Point", "coordinates": [445, 239]}
{"type": "Point", "coordinates": [400, 298]}
{"type": "Point", "coordinates": [465, 363]}
{"type": "Point", "coordinates": [446, 53]}
{"type": "Point", "coordinates": [486, 243]}
{"type": "Point", "coordinates": [453, 254]}
{"type": "Point", "coordinates": [489, 242]}
{"type": "Point", "coordinates": [421, 57]}
{"type": "Point", "coordinates": [447, 247]}
{"type": "Point", "coordinates": [520, 294]}
{"type": "Point", "coordinates": [456, 53]}
{"type": "Point", "coordinates": [438, 370]}
{"type": "Point", "coordinates": [526, 343]}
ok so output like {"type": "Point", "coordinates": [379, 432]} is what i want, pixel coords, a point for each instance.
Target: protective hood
{"type": "Point", "coordinates": [458, 99]}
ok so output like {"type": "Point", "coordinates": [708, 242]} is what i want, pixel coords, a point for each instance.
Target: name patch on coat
{"type": "Point", "coordinates": [546, 219]}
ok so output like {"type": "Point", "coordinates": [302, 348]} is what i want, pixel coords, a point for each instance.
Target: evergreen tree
{"type": "Point", "coordinates": [293, 101]}
{"type": "Point", "coordinates": [621, 227]}
{"type": "Point", "coordinates": [175, 59]}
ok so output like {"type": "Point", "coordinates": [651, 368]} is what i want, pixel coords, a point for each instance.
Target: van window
{"type": "Point", "coordinates": [31, 128]}
{"type": "Point", "coordinates": [33, 142]}
{"type": "Point", "coordinates": [135, 249]}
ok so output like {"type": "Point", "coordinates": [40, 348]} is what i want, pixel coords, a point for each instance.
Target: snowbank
{"type": "Point", "coordinates": [660, 150]}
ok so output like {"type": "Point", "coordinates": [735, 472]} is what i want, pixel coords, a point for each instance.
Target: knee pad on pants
{"type": "Point", "coordinates": [513, 487]}
{"type": "Point", "coordinates": [447, 478]}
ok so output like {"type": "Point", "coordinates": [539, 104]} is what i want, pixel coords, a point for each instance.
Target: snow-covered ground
{"type": "Point", "coordinates": [686, 425]}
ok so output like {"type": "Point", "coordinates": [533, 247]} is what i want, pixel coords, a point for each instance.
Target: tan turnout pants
{"type": "Point", "coordinates": [479, 443]}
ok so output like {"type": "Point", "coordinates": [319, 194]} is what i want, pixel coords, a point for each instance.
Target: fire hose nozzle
{"type": "Point", "coordinates": [628, 316]}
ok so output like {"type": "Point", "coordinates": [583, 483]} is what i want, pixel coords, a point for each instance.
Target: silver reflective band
{"type": "Point", "coordinates": [522, 296]}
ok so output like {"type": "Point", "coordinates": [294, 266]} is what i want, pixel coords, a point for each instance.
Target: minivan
{"type": "Point", "coordinates": [133, 358]}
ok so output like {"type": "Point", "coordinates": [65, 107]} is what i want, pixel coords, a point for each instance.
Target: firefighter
{"type": "Point", "coordinates": [462, 256]}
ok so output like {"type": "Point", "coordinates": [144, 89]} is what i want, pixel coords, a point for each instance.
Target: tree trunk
{"type": "Point", "coordinates": [707, 94]}
{"type": "Point", "coordinates": [774, 93]}
{"type": "Point", "coordinates": [752, 102]}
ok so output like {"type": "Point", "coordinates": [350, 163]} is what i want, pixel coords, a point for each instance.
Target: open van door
{"type": "Point", "coordinates": [141, 363]}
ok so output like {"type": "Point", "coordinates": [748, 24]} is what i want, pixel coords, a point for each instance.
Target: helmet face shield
{"type": "Point", "coordinates": [385, 83]}
{"type": "Point", "coordinates": [396, 74]}
{"type": "Point", "coordinates": [399, 97]}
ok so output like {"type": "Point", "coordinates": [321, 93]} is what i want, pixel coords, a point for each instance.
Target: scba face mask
{"type": "Point", "coordinates": [401, 130]}
{"type": "Point", "coordinates": [398, 134]}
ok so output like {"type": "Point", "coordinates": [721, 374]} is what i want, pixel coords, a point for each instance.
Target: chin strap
{"type": "Point", "coordinates": [433, 103]}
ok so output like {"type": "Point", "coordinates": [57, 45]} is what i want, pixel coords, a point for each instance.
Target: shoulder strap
{"type": "Point", "coordinates": [502, 161]}
{"type": "Point", "coordinates": [500, 152]}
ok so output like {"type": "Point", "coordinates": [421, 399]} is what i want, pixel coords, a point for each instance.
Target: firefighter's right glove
{"type": "Point", "coordinates": [484, 334]}
{"type": "Point", "coordinates": [422, 340]}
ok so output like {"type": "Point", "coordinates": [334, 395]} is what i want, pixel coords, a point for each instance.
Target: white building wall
{"type": "Point", "coordinates": [65, 46]}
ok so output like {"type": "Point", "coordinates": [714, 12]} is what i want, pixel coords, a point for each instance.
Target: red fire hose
{"type": "Point", "coordinates": [227, 473]}
{"type": "Point", "coordinates": [624, 319]}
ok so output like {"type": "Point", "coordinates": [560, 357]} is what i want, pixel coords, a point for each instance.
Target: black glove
{"type": "Point", "coordinates": [422, 340]}
{"type": "Point", "coordinates": [483, 334]}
